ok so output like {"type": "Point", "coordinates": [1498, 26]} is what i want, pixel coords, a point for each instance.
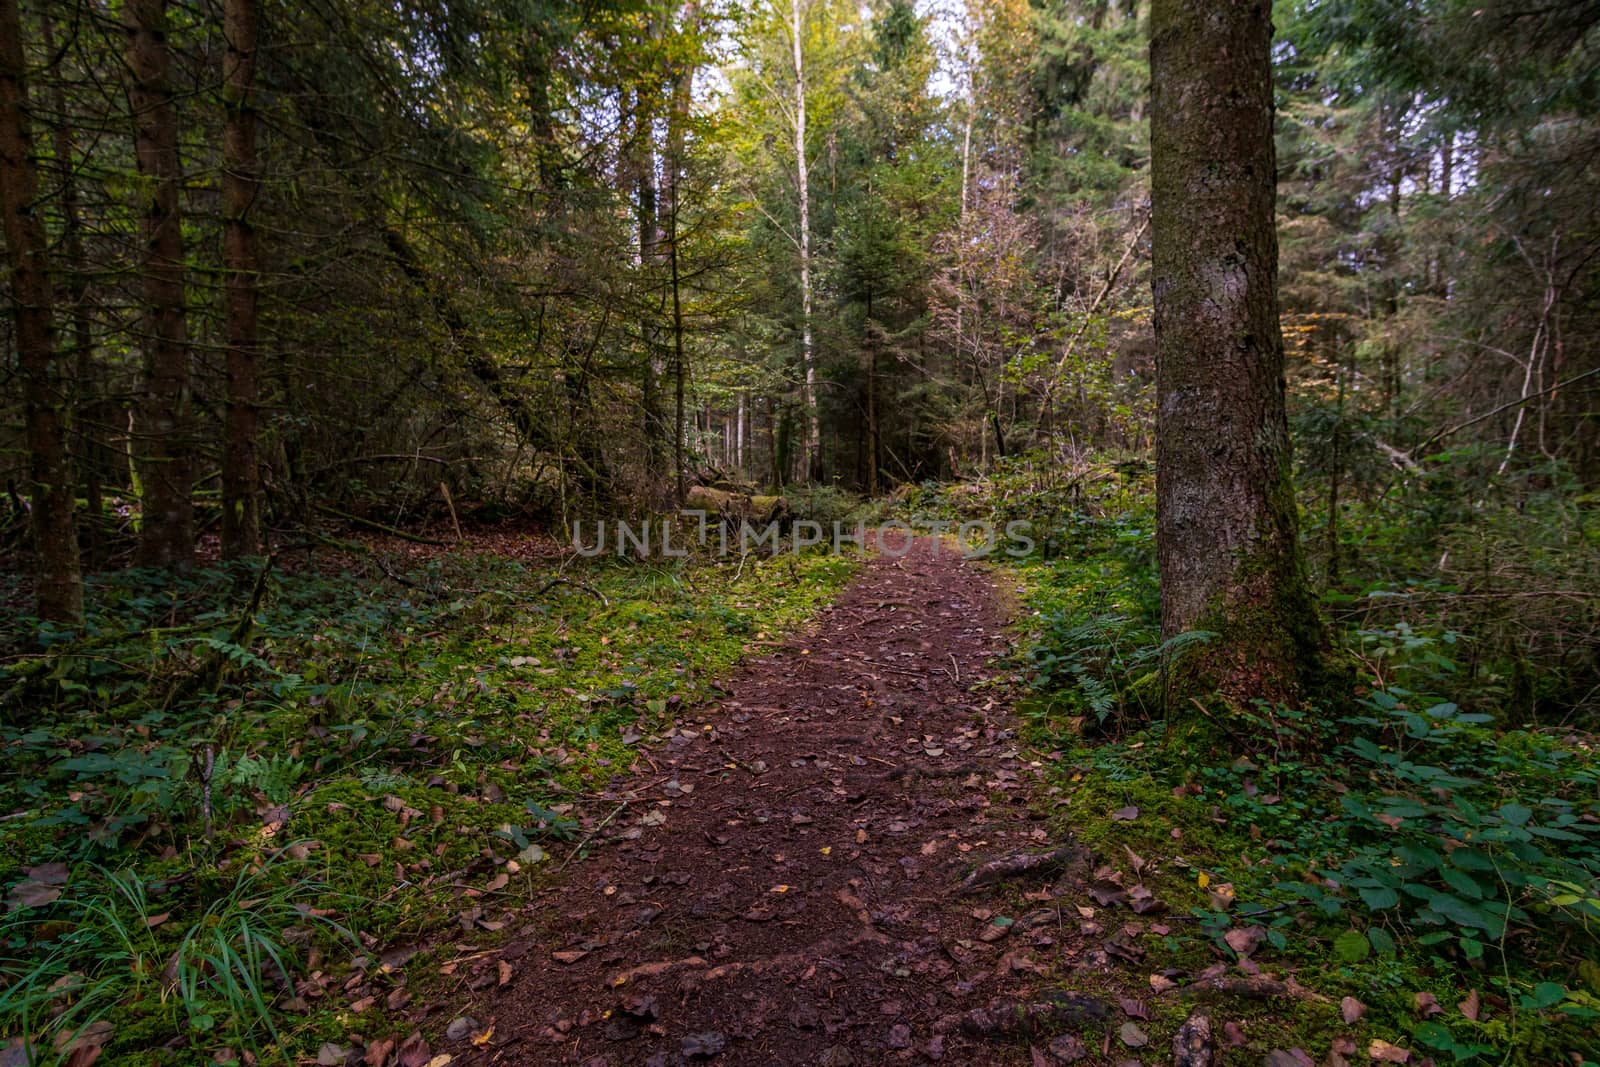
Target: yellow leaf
{"type": "Point", "coordinates": [1205, 879]}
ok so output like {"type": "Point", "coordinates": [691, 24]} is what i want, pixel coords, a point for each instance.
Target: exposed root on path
{"type": "Point", "coordinates": [1022, 863]}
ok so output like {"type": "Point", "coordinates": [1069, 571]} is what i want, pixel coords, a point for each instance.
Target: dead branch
{"type": "Point", "coordinates": [1029, 863]}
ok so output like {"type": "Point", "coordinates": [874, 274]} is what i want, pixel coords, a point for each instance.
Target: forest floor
{"type": "Point", "coordinates": [784, 883]}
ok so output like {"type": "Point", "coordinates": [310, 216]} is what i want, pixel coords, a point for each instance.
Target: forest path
{"type": "Point", "coordinates": [783, 889]}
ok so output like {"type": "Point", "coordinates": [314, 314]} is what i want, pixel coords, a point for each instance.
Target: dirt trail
{"type": "Point", "coordinates": [782, 890]}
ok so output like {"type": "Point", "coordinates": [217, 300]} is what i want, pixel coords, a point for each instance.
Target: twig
{"type": "Point", "coordinates": [590, 835]}
{"type": "Point", "coordinates": [451, 504]}
{"type": "Point", "coordinates": [392, 531]}
{"type": "Point", "coordinates": [574, 583]}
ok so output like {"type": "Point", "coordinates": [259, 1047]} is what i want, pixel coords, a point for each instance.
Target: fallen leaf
{"type": "Point", "coordinates": [1068, 1048]}
{"type": "Point", "coordinates": [1427, 1005]}
{"type": "Point", "coordinates": [1244, 939]}
{"type": "Point", "coordinates": [32, 895]}
{"type": "Point", "coordinates": [47, 873]}
{"type": "Point", "coordinates": [1293, 1057]}
{"type": "Point", "coordinates": [1383, 1051]}
{"type": "Point", "coordinates": [1471, 1006]}
{"type": "Point", "coordinates": [571, 955]}
{"type": "Point", "coordinates": [1127, 814]}
{"type": "Point", "coordinates": [378, 1052]}
{"type": "Point", "coordinates": [1132, 1036]}
{"type": "Point", "coordinates": [1351, 1009]}
{"type": "Point", "coordinates": [1134, 1009]}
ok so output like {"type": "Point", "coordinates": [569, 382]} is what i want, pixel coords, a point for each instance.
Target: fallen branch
{"type": "Point", "coordinates": [574, 583]}
{"type": "Point", "coordinates": [1031, 863]}
{"type": "Point", "coordinates": [1251, 987]}
{"type": "Point", "coordinates": [393, 531]}
{"type": "Point", "coordinates": [590, 835]}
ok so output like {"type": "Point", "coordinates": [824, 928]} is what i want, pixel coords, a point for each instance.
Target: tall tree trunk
{"type": "Point", "coordinates": [677, 132]}
{"type": "Point", "coordinates": [648, 220]}
{"type": "Point", "coordinates": [738, 440]}
{"type": "Point", "coordinates": [167, 535]}
{"type": "Point", "coordinates": [59, 586]}
{"type": "Point", "coordinates": [1227, 536]}
{"type": "Point", "coordinates": [813, 443]}
{"type": "Point", "coordinates": [241, 481]}
{"type": "Point", "coordinates": [76, 282]}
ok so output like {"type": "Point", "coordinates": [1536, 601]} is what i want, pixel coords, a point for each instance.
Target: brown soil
{"type": "Point", "coordinates": [784, 889]}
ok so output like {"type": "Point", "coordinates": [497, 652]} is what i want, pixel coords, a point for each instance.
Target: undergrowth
{"type": "Point", "coordinates": [1425, 842]}
{"type": "Point", "coordinates": [217, 817]}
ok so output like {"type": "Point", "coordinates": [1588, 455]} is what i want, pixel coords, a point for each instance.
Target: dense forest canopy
{"type": "Point", "coordinates": [558, 254]}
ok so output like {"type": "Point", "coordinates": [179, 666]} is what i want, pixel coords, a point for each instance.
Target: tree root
{"type": "Point", "coordinates": [1033, 863]}
{"type": "Point", "coordinates": [1252, 987]}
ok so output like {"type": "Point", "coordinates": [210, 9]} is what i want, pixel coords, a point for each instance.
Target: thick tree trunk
{"type": "Point", "coordinates": [59, 589]}
{"type": "Point", "coordinates": [1227, 529]}
{"type": "Point", "coordinates": [241, 483]}
{"type": "Point", "coordinates": [165, 448]}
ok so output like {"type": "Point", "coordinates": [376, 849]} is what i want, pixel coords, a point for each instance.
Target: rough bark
{"type": "Point", "coordinates": [59, 587]}
{"type": "Point", "coordinates": [74, 274]}
{"type": "Point", "coordinates": [677, 129]}
{"type": "Point", "coordinates": [1227, 534]}
{"type": "Point", "coordinates": [241, 484]}
{"type": "Point", "coordinates": [164, 449]}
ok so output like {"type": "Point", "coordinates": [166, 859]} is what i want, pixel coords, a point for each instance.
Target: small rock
{"type": "Point", "coordinates": [1191, 1047]}
{"type": "Point", "coordinates": [461, 1028]}
{"type": "Point", "coordinates": [899, 1036]}
{"type": "Point", "coordinates": [704, 1045]}
{"type": "Point", "coordinates": [621, 1027]}
{"type": "Point", "coordinates": [640, 1005]}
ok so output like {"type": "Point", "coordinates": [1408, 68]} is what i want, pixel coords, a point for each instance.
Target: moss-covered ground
{"type": "Point", "coordinates": [211, 832]}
